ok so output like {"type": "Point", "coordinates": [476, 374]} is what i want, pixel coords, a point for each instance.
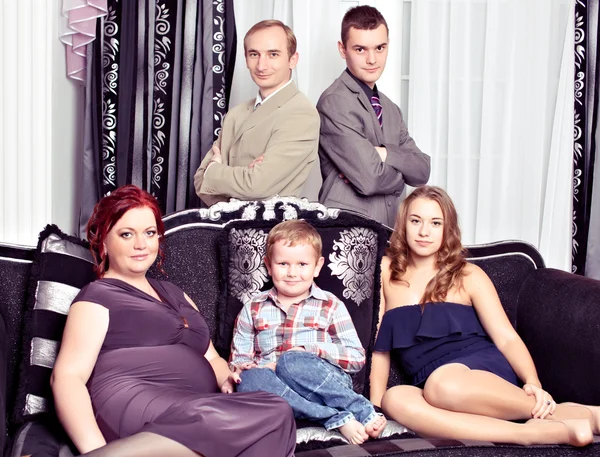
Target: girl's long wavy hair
{"type": "Point", "coordinates": [450, 258]}
{"type": "Point", "coordinates": [107, 213]}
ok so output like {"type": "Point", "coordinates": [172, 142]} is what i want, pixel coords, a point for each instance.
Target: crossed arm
{"type": "Point", "coordinates": [370, 169]}
{"type": "Point", "coordinates": [292, 145]}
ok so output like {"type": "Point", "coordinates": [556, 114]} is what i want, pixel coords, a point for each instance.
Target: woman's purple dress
{"type": "Point", "coordinates": [151, 375]}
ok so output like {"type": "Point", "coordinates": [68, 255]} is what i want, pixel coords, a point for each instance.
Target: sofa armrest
{"type": "Point", "coordinates": [558, 318]}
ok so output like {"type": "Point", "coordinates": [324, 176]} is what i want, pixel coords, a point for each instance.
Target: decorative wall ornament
{"type": "Point", "coordinates": [289, 205]}
{"type": "Point", "coordinates": [77, 29]}
{"type": "Point", "coordinates": [353, 262]}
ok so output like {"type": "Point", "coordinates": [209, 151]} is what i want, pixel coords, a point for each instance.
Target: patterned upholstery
{"type": "Point", "coordinates": [352, 248]}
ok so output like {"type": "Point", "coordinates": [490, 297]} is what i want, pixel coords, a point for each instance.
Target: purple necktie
{"type": "Point", "coordinates": [375, 103]}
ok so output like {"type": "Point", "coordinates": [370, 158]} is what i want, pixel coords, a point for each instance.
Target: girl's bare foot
{"type": "Point", "coordinates": [354, 432]}
{"type": "Point", "coordinates": [376, 426]}
{"type": "Point", "coordinates": [580, 431]}
{"type": "Point", "coordinates": [593, 412]}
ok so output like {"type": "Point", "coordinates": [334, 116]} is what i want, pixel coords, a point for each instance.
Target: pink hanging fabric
{"type": "Point", "coordinates": [77, 30]}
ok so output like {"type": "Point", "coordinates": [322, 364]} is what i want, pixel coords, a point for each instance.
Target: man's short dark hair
{"type": "Point", "coordinates": [362, 18]}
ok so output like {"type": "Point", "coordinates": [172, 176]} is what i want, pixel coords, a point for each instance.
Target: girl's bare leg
{"type": "Point", "coordinates": [455, 387]}
{"type": "Point", "coordinates": [408, 406]}
{"type": "Point", "coordinates": [490, 395]}
{"type": "Point", "coordinates": [143, 444]}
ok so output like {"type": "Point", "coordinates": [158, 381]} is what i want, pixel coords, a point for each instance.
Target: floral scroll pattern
{"type": "Point", "coordinates": [247, 271]}
{"type": "Point", "coordinates": [164, 55]}
{"type": "Point", "coordinates": [218, 50]}
{"type": "Point", "coordinates": [353, 262]}
{"type": "Point", "coordinates": [110, 65]}
{"type": "Point", "coordinates": [582, 143]}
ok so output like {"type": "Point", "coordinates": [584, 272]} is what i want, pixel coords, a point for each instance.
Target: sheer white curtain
{"type": "Point", "coordinates": [25, 119]}
{"type": "Point", "coordinates": [491, 100]}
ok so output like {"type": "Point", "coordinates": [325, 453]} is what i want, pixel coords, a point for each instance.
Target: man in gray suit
{"type": "Point", "coordinates": [366, 153]}
{"type": "Point", "coordinates": [267, 145]}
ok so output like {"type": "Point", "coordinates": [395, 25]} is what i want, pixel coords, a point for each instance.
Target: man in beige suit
{"type": "Point", "coordinates": [267, 146]}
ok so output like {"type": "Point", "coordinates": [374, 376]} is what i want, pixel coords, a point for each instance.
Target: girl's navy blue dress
{"type": "Point", "coordinates": [442, 333]}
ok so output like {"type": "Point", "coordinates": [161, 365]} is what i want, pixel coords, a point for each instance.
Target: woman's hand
{"type": "Point", "coordinates": [544, 404]}
{"type": "Point", "coordinates": [228, 385]}
{"type": "Point", "coordinates": [234, 377]}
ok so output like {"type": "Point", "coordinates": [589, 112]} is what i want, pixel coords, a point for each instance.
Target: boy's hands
{"type": "Point", "coordinates": [271, 365]}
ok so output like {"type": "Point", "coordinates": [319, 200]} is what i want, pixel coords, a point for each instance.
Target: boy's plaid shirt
{"type": "Point", "coordinates": [320, 323]}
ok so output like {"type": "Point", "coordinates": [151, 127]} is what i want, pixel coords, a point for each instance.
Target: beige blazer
{"type": "Point", "coordinates": [285, 130]}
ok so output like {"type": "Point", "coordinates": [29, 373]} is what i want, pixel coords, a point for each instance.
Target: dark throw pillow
{"type": "Point", "coordinates": [62, 266]}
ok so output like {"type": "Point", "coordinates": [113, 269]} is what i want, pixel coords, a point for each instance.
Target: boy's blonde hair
{"type": "Point", "coordinates": [294, 232]}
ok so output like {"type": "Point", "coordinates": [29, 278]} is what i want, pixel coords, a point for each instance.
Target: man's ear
{"type": "Point", "coordinates": [294, 61]}
{"type": "Point", "coordinates": [319, 266]}
{"type": "Point", "coordinates": [342, 50]}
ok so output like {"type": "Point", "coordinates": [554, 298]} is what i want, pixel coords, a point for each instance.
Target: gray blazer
{"type": "Point", "coordinates": [349, 132]}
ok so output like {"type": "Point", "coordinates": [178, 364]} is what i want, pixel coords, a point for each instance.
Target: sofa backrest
{"type": "Point", "coordinates": [219, 262]}
{"type": "Point", "coordinates": [204, 259]}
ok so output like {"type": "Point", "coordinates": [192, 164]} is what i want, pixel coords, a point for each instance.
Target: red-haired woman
{"type": "Point", "coordinates": [471, 372]}
{"type": "Point", "coordinates": [136, 361]}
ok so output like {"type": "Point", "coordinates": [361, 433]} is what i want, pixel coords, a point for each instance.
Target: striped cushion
{"type": "Point", "coordinates": [62, 266]}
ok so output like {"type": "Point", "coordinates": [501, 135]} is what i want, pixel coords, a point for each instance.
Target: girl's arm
{"type": "Point", "coordinates": [86, 327]}
{"type": "Point", "coordinates": [485, 299]}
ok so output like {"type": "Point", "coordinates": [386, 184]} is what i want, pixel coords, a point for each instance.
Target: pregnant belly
{"type": "Point", "coordinates": [131, 386]}
{"type": "Point", "coordinates": [177, 366]}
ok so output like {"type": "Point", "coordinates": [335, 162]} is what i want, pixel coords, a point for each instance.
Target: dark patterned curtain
{"type": "Point", "coordinates": [157, 91]}
{"type": "Point", "coordinates": [586, 119]}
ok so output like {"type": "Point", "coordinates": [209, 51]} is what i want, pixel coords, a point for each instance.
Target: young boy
{"type": "Point", "coordinates": [298, 341]}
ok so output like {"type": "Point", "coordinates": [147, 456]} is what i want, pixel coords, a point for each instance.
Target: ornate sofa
{"type": "Point", "coordinates": [215, 255]}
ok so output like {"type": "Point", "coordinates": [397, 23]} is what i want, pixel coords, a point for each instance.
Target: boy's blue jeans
{"type": "Point", "coordinates": [314, 388]}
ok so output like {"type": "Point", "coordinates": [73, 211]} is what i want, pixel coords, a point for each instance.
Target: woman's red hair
{"type": "Point", "coordinates": [107, 213]}
{"type": "Point", "coordinates": [450, 258]}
